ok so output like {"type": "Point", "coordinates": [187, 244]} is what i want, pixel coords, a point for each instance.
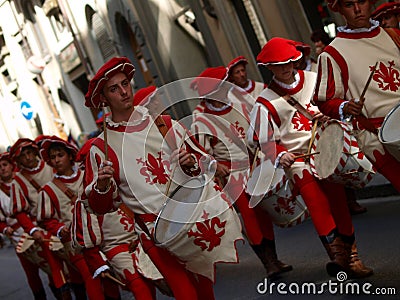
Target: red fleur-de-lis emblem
{"type": "Point", "coordinates": [387, 78]}
{"type": "Point", "coordinates": [223, 195]}
{"type": "Point", "coordinates": [284, 206]}
{"type": "Point", "coordinates": [300, 122]}
{"type": "Point", "coordinates": [209, 233]}
{"type": "Point", "coordinates": [126, 221]}
{"type": "Point", "coordinates": [154, 169]}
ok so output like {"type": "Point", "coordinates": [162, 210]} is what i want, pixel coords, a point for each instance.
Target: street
{"type": "Point", "coordinates": [378, 245]}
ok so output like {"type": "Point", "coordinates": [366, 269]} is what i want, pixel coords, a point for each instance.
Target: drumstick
{"type": "Point", "coordinates": [176, 165]}
{"type": "Point", "coordinates": [105, 133]}
{"type": "Point", "coordinates": [314, 129]}
{"type": "Point", "coordinates": [371, 74]}
{"type": "Point", "coordinates": [108, 275]}
{"type": "Point", "coordinates": [253, 165]}
{"type": "Point", "coordinates": [305, 155]}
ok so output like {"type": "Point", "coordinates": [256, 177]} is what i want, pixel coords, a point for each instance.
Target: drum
{"type": "Point", "coordinates": [340, 159]}
{"type": "Point", "coordinates": [388, 134]}
{"type": "Point", "coordinates": [197, 225]}
{"type": "Point", "coordinates": [270, 190]}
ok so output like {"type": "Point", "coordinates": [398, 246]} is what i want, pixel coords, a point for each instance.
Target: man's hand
{"type": "Point", "coordinates": [353, 107]}
{"type": "Point", "coordinates": [9, 231]}
{"type": "Point", "coordinates": [287, 160]}
{"type": "Point", "coordinates": [184, 158]}
{"type": "Point", "coordinates": [320, 117]}
{"type": "Point", "coordinates": [222, 170]}
{"type": "Point", "coordinates": [106, 172]}
{"type": "Point", "coordinates": [65, 234]}
{"type": "Point", "coordinates": [38, 236]}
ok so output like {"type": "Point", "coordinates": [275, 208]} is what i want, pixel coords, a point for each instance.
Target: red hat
{"type": "Point", "coordinates": [278, 51]}
{"type": "Point", "coordinates": [332, 4]}
{"type": "Point", "coordinates": [210, 80]}
{"type": "Point", "coordinates": [46, 143]}
{"type": "Point", "coordinates": [144, 95]}
{"type": "Point", "coordinates": [6, 156]}
{"type": "Point", "coordinates": [108, 70]}
{"type": "Point", "coordinates": [82, 153]}
{"type": "Point", "coordinates": [236, 61]}
{"type": "Point", "coordinates": [386, 8]}
{"type": "Point", "coordinates": [19, 145]}
{"type": "Point", "coordinates": [303, 47]}
{"type": "Point", "coordinates": [39, 139]}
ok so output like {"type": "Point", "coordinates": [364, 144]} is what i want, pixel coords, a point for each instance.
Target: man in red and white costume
{"type": "Point", "coordinates": [138, 173]}
{"type": "Point", "coordinates": [55, 206]}
{"type": "Point", "coordinates": [387, 14]}
{"type": "Point", "coordinates": [33, 174]}
{"type": "Point", "coordinates": [237, 73]}
{"type": "Point", "coordinates": [221, 130]}
{"type": "Point", "coordinates": [282, 132]}
{"type": "Point", "coordinates": [343, 73]}
{"type": "Point", "coordinates": [113, 234]}
{"type": "Point", "coordinates": [29, 259]}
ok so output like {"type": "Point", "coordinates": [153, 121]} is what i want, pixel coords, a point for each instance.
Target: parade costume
{"type": "Point", "coordinates": [280, 128]}
{"type": "Point", "coordinates": [55, 207]}
{"type": "Point", "coordinates": [222, 132]}
{"type": "Point", "coordinates": [24, 200]}
{"type": "Point", "coordinates": [140, 147]}
{"type": "Point", "coordinates": [342, 75]}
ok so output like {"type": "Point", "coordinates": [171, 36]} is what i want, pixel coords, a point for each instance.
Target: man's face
{"type": "Point", "coordinates": [28, 158]}
{"type": "Point", "coordinates": [319, 47]}
{"type": "Point", "coordinates": [283, 72]}
{"type": "Point", "coordinates": [61, 161]}
{"type": "Point", "coordinates": [389, 21]}
{"type": "Point", "coordinates": [239, 75]}
{"type": "Point", "coordinates": [117, 92]}
{"type": "Point", "coordinates": [6, 170]}
{"type": "Point", "coordinates": [356, 13]}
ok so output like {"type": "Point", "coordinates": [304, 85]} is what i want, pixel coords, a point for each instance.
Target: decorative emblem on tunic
{"type": "Point", "coordinates": [285, 206]}
{"type": "Point", "coordinates": [387, 78]}
{"type": "Point", "coordinates": [154, 169]}
{"type": "Point", "coordinates": [208, 234]}
{"type": "Point", "coordinates": [238, 130]}
{"type": "Point", "coordinates": [126, 221]}
{"type": "Point", "coordinates": [300, 122]}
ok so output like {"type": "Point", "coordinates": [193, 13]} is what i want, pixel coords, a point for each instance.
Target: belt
{"type": "Point", "coordinates": [375, 122]}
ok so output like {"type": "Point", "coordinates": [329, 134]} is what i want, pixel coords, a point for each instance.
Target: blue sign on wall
{"type": "Point", "coordinates": [26, 110]}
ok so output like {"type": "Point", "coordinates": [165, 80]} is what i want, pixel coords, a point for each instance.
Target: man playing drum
{"type": "Point", "coordinates": [33, 174]}
{"type": "Point", "coordinates": [342, 89]}
{"type": "Point", "coordinates": [283, 132]}
{"type": "Point", "coordinates": [221, 130]}
{"type": "Point", "coordinates": [138, 173]}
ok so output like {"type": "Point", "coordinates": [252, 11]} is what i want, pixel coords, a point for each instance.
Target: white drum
{"type": "Point", "coordinates": [270, 189]}
{"type": "Point", "coordinates": [340, 159]}
{"type": "Point", "coordinates": [198, 226]}
{"type": "Point", "coordinates": [389, 135]}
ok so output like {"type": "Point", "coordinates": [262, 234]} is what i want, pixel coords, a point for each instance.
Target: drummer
{"type": "Point", "coordinates": [343, 74]}
{"type": "Point", "coordinates": [221, 130]}
{"type": "Point", "coordinates": [283, 132]}
{"type": "Point", "coordinates": [140, 178]}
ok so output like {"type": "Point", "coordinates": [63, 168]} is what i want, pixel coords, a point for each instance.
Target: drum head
{"type": "Point", "coordinates": [179, 209]}
{"type": "Point", "coordinates": [390, 127]}
{"type": "Point", "coordinates": [329, 144]}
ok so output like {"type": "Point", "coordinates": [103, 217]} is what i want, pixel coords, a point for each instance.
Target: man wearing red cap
{"type": "Point", "coordinates": [33, 174]}
{"type": "Point", "coordinates": [55, 205]}
{"type": "Point", "coordinates": [387, 14]}
{"type": "Point", "coordinates": [282, 132]}
{"type": "Point", "coordinates": [305, 62]}
{"type": "Point", "coordinates": [237, 73]}
{"type": "Point", "coordinates": [221, 129]}
{"type": "Point", "coordinates": [342, 91]}
{"type": "Point", "coordinates": [10, 227]}
{"type": "Point", "coordinates": [138, 171]}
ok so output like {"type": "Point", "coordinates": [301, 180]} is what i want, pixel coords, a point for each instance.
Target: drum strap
{"type": "Point", "coordinates": [66, 190]}
{"type": "Point", "coordinates": [31, 180]}
{"type": "Point", "coordinates": [394, 35]}
{"type": "Point", "coordinates": [6, 189]}
{"type": "Point", "coordinates": [137, 219]}
{"type": "Point", "coordinates": [293, 102]}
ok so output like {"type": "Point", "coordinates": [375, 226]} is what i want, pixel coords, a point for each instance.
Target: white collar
{"type": "Point", "coordinates": [140, 114]}
{"type": "Point", "coordinates": [289, 86]}
{"type": "Point", "coordinates": [213, 108]}
{"type": "Point", "coordinates": [374, 24]}
{"type": "Point", "coordinates": [74, 168]}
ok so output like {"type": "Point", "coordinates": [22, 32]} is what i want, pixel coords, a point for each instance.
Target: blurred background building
{"type": "Point", "coordinates": [51, 48]}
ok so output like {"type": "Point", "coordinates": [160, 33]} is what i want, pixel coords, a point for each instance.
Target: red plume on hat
{"type": "Point", "coordinates": [109, 69]}
{"type": "Point", "coordinates": [210, 80]}
{"type": "Point", "coordinates": [143, 96]}
{"type": "Point", "coordinates": [46, 143]}
{"type": "Point", "coordinates": [386, 8]}
{"type": "Point", "coordinates": [19, 145]}
{"type": "Point", "coordinates": [278, 51]}
{"type": "Point", "coordinates": [236, 61]}
{"type": "Point", "coordinates": [333, 4]}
